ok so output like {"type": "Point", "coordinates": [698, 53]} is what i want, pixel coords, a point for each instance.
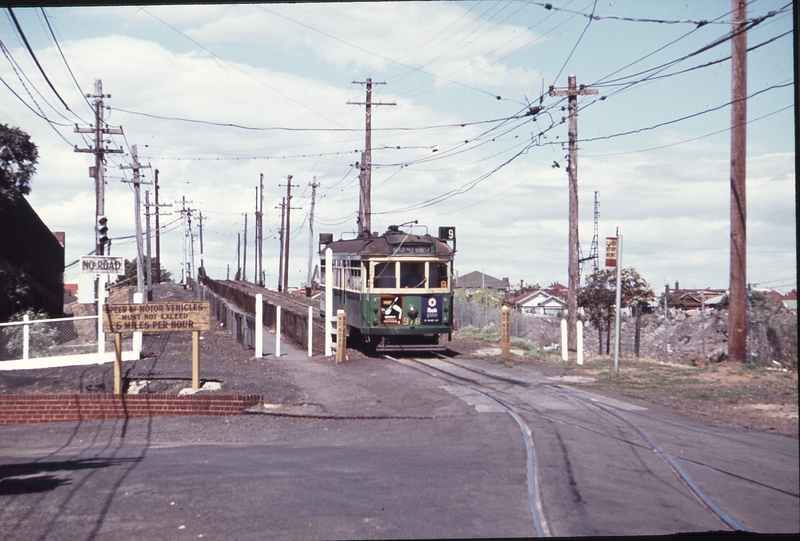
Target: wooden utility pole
{"type": "Point", "coordinates": [149, 269]}
{"type": "Point", "coordinates": [260, 232]}
{"type": "Point", "coordinates": [288, 231]}
{"type": "Point", "coordinates": [200, 218]}
{"type": "Point", "coordinates": [572, 293]}
{"type": "Point", "coordinates": [184, 214]}
{"type": "Point", "coordinates": [137, 202]}
{"type": "Point", "coordinates": [737, 306]}
{"type": "Point", "coordinates": [314, 186]}
{"type": "Point", "coordinates": [158, 233]}
{"type": "Point", "coordinates": [244, 254]}
{"type": "Point", "coordinates": [280, 238]}
{"type": "Point", "coordinates": [365, 177]}
{"type": "Point", "coordinates": [100, 130]}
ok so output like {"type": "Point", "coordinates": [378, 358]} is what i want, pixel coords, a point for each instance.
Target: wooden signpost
{"type": "Point", "coordinates": [153, 317]}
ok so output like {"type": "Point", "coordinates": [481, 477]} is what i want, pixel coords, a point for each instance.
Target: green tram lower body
{"type": "Point", "coordinates": [403, 318]}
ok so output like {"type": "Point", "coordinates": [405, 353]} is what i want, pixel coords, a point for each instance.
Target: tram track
{"type": "Point", "coordinates": [504, 390]}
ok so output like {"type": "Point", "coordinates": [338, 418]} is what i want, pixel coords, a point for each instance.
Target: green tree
{"type": "Point", "coordinates": [598, 300]}
{"type": "Point", "coordinates": [18, 156]}
{"type": "Point", "coordinates": [41, 337]}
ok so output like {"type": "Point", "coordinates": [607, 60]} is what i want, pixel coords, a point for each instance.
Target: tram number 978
{"type": "Point", "coordinates": [407, 321]}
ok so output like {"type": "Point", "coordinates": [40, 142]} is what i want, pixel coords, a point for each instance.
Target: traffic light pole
{"type": "Point", "coordinates": [99, 131]}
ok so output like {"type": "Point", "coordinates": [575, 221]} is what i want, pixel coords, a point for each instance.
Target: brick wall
{"type": "Point", "coordinates": [49, 408]}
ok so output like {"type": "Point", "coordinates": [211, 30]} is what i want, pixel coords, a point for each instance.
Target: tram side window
{"type": "Point", "coordinates": [439, 275]}
{"type": "Point", "coordinates": [353, 271]}
{"type": "Point", "coordinates": [413, 274]}
{"type": "Point", "coordinates": [384, 275]}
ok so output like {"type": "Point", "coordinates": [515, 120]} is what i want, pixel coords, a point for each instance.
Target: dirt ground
{"type": "Point", "coordinates": [760, 399]}
{"type": "Point", "coordinates": [757, 398]}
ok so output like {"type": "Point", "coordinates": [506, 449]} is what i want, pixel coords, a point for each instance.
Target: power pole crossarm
{"type": "Point", "coordinates": [573, 91]}
{"type": "Point", "coordinates": [365, 176]}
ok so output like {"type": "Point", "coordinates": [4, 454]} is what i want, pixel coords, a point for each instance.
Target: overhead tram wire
{"type": "Point", "coordinates": [785, 84]}
{"type": "Point", "coordinates": [614, 83]}
{"type": "Point", "coordinates": [294, 129]}
{"type": "Point", "coordinates": [697, 22]}
{"type": "Point", "coordinates": [36, 60]}
{"type": "Point", "coordinates": [216, 56]}
{"type": "Point", "coordinates": [658, 69]}
{"type": "Point", "coordinates": [69, 69]}
{"type": "Point", "coordinates": [461, 39]}
{"type": "Point", "coordinates": [372, 53]}
{"type": "Point", "coordinates": [574, 48]}
{"type": "Point", "coordinates": [687, 140]}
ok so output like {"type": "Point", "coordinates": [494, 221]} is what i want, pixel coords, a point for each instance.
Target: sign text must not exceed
{"type": "Point", "coordinates": [157, 317]}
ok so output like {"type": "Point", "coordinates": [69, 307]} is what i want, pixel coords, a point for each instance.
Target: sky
{"type": "Point", "coordinates": [214, 96]}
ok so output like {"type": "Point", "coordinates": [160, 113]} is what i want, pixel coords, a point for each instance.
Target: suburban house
{"type": "Point", "coordinates": [479, 280]}
{"type": "Point", "coordinates": [539, 303]}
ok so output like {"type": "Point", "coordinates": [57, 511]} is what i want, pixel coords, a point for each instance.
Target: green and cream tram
{"type": "Point", "coordinates": [396, 288]}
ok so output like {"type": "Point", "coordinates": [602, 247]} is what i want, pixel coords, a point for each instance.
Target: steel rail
{"type": "Point", "coordinates": [532, 462]}
{"type": "Point", "coordinates": [704, 499]}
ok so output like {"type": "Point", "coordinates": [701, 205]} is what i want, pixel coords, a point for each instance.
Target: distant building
{"type": "Point", "coordinates": [479, 280]}
{"type": "Point", "coordinates": [693, 299]}
{"type": "Point", "coordinates": [558, 291]}
{"type": "Point", "coordinates": [539, 303]}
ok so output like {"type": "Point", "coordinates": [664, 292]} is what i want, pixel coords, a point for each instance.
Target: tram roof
{"type": "Point", "coordinates": [390, 243]}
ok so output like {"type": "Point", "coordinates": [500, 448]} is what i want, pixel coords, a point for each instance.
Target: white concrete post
{"type": "Point", "coordinates": [259, 325]}
{"type": "Point", "coordinates": [277, 331]}
{"type": "Point", "coordinates": [310, 330]}
{"type": "Point", "coordinates": [328, 301]}
{"type": "Point", "coordinates": [618, 302]}
{"type": "Point", "coordinates": [101, 336]}
{"type": "Point", "coordinates": [137, 336]}
{"type": "Point", "coordinates": [26, 338]}
{"type": "Point", "coordinates": [579, 328]}
{"type": "Point", "coordinates": [564, 350]}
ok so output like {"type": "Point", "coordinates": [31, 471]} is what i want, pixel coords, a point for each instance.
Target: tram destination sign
{"type": "Point", "coordinates": [102, 264]}
{"type": "Point", "coordinates": [157, 317]}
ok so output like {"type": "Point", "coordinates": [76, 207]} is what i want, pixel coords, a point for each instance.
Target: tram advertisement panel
{"type": "Point", "coordinates": [391, 310]}
{"type": "Point", "coordinates": [431, 310]}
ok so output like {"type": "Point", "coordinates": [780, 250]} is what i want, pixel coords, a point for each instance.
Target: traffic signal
{"type": "Point", "coordinates": [102, 230]}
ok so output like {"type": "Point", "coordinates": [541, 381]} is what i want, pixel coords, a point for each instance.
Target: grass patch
{"type": "Point", "coordinates": [487, 334]}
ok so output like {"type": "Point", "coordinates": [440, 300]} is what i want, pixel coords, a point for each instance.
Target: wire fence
{"type": "Point", "coordinates": [39, 338]}
{"type": "Point", "coordinates": [679, 336]}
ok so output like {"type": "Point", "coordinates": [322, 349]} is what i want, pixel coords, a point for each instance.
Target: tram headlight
{"type": "Point", "coordinates": [413, 312]}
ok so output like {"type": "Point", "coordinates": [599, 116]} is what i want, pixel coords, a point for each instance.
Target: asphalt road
{"type": "Point", "coordinates": [382, 450]}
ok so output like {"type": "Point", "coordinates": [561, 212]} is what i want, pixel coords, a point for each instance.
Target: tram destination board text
{"type": "Point", "coordinates": [157, 317]}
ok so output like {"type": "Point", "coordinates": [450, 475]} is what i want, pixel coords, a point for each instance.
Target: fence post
{"type": "Point", "coordinates": [328, 300]}
{"type": "Point", "coordinates": [277, 331]}
{"type": "Point", "coordinates": [579, 328]}
{"type": "Point", "coordinates": [259, 325]}
{"type": "Point", "coordinates": [505, 334]}
{"type": "Point", "coordinates": [310, 329]}
{"type": "Point", "coordinates": [341, 335]}
{"type": "Point", "coordinates": [26, 337]}
{"type": "Point", "coordinates": [564, 351]}
{"type": "Point", "coordinates": [137, 336]}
